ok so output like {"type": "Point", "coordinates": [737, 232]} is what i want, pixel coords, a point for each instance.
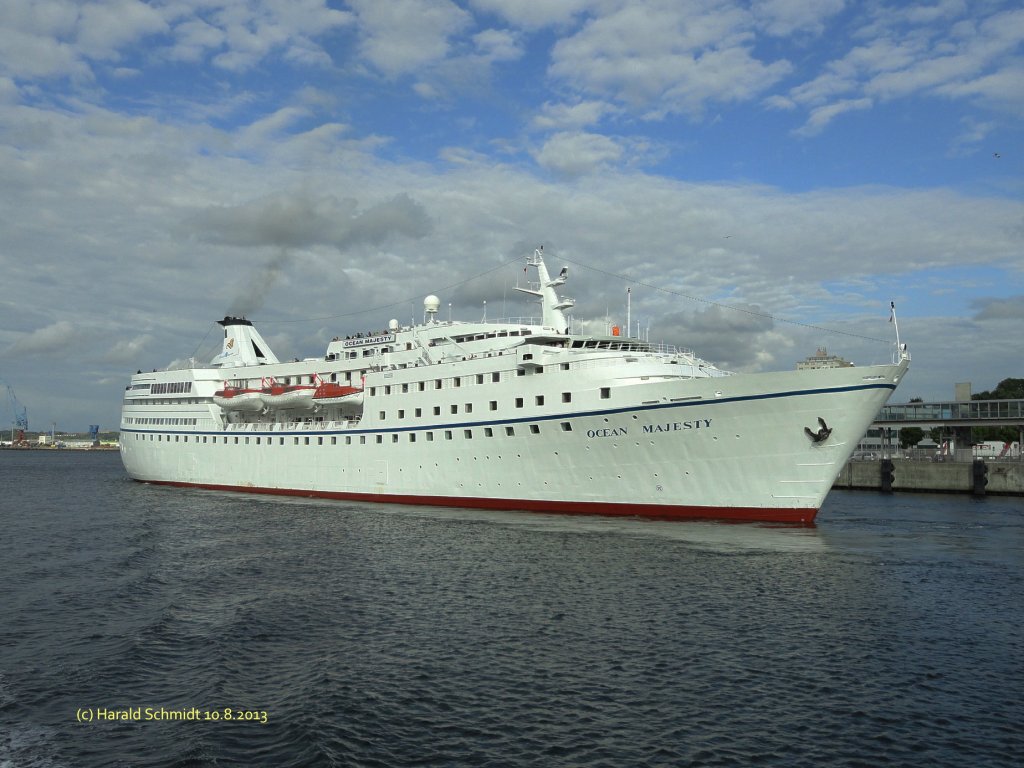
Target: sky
{"type": "Point", "coordinates": [765, 177]}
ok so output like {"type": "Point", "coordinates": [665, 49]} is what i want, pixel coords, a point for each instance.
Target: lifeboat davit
{"type": "Point", "coordinates": [238, 399]}
{"type": "Point", "coordinates": [338, 394]}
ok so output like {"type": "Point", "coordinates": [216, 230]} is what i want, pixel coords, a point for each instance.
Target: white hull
{"type": "Point", "coordinates": [510, 416]}
{"type": "Point", "coordinates": [743, 453]}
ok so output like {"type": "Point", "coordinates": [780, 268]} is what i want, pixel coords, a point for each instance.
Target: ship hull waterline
{"type": "Point", "coordinates": [698, 478]}
{"type": "Point", "coordinates": [795, 515]}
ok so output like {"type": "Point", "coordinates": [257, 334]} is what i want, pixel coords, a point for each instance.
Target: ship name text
{"type": "Point", "coordinates": [364, 340]}
{"type": "Point", "coordinates": [650, 429]}
{"type": "Point", "coordinates": [677, 426]}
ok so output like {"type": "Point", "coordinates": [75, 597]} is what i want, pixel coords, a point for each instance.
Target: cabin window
{"type": "Point", "coordinates": [510, 431]}
{"type": "Point", "coordinates": [488, 432]}
{"type": "Point", "coordinates": [387, 389]}
{"type": "Point", "coordinates": [305, 440]}
{"type": "Point", "coordinates": [405, 387]}
{"type": "Point", "coordinates": [412, 437]}
{"type": "Point", "coordinates": [469, 409]}
{"type": "Point", "coordinates": [401, 413]}
{"type": "Point", "coordinates": [566, 426]}
{"type": "Point", "coordinates": [534, 429]}
{"type": "Point", "coordinates": [455, 409]}
{"type": "Point", "coordinates": [362, 439]}
{"type": "Point", "coordinates": [567, 397]}
{"type": "Point", "coordinates": [319, 440]}
{"type": "Point", "coordinates": [468, 434]}
{"type": "Point", "coordinates": [496, 376]}
{"type": "Point", "coordinates": [380, 439]}
{"type": "Point", "coordinates": [394, 438]}
{"type": "Point", "coordinates": [493, 405]}
{"type": "Point", "coordinates": [382, 415]}
{"type": "Point", "coordinates": [348, 439]}
{"type": "Point", "coordinates": [479, 378]}
{"type": "Point", "coordinates": [540, 399]}
{"type": "Point", "coordinates": [334, 440]}
{"type": "Point", "coordinates": [565, 366]}
{"type": "Point", "coordinates": [373, 391]}
{"type": "Point", "coordinates": [430, 437]}
{"type": "Point", "coordinates": [606, 392]}
{"type": "Point", "coordinates": [421, 385]}
{"type": "Point", "coordinates": [419, 412]}
{"type": "Point", "coordinates": [437, 383]}
{"type": "Point", "coordinates": [447, 434]}
{"type": "Point", "coordinates": [519, 402]}
{"type": "Point", "coordinates": [437, 410]}
{"type": "Point", "coordinates": [456, 381]}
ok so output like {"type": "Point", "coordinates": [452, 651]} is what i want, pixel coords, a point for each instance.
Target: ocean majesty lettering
{"type": "Point", "coordinates": [677, 426]}
{"type": "Point", "coordinates": [361, 341]}
{"type": "Point", "coordinates": [650, 429]}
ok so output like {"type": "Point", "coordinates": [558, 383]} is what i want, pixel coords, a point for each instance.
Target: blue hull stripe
{"type": "Point", "coordinates": [531, 420]}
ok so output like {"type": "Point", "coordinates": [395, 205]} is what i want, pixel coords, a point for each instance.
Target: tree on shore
{"type": "Point", "coordinates": [1007, 389]}
{"type": "Point", "coordinates": [911, 436]}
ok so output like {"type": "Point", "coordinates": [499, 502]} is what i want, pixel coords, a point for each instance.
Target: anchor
{"type": "Point", "coordinates": [822, 434]}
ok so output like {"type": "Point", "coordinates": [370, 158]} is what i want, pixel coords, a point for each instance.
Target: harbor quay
{"type": "Point", "coordinates": [957, 463]}
{"type": "Point", "coordinates": [978, 477]}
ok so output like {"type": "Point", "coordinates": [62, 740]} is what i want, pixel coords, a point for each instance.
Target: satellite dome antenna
{"type": "Point", "coordinates": [430, 306]}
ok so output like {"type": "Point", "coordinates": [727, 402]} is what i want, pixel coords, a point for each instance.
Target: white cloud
{"type": "Point", "coordinates": [66, 39]}
{"type": "Point", "coordinates": [576, 154]}
{"type": "Point", "coordinates": [400, 36]}
{"type": "Point", "coordinates": [820, 117]}
{"type": "Point", "coordinates": [497, 45]}
{"type": "Point", "coordinates": [105, 28]}
{"type": "Point", "coordinates": [531, 14]}
{"type": "Point", "coordinates": [578, 115]}
{"type": "Point", "coordinates": [663, 58]}
{"type": "Point", "coordinates": [193, 38]}
{"type": "Point", "coordinates": [945, 50]}
{"type": "Point", "coordinates": [786, 17]}
{"type": "Point", "coordinates": [974, 132]}
{"type": "Point", "coordinates": [52, 338]}
{"type": "Point", "coordinates": [128, 350]}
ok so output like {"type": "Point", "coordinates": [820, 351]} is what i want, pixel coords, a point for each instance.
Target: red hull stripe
{"type": "Point", "coordinates": [656, 511]}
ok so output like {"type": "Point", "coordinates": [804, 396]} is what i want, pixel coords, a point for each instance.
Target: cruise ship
{"type": "Point", "coordinates": [504, 415]}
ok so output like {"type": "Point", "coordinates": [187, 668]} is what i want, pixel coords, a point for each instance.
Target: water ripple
{"type": "Point", "coordinates": [387, 636]}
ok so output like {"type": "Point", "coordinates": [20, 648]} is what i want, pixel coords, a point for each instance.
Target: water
{"type": "Point", "coordinates": [389, 636]}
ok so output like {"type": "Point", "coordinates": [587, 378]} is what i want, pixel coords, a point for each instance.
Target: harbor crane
{"type": "Point", "coordinates": [19, 416]}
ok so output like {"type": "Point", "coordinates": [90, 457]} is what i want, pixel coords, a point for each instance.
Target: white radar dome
{"type": "Point", "coordinates": [393, 325]}
{"type": "Point", "coordinates": [431, 304]}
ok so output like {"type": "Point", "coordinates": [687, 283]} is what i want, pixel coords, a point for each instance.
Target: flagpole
{"type": "Point", "coordinates": [629, 295]}
{"type": "Point", "coordinates": [895, 325]}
